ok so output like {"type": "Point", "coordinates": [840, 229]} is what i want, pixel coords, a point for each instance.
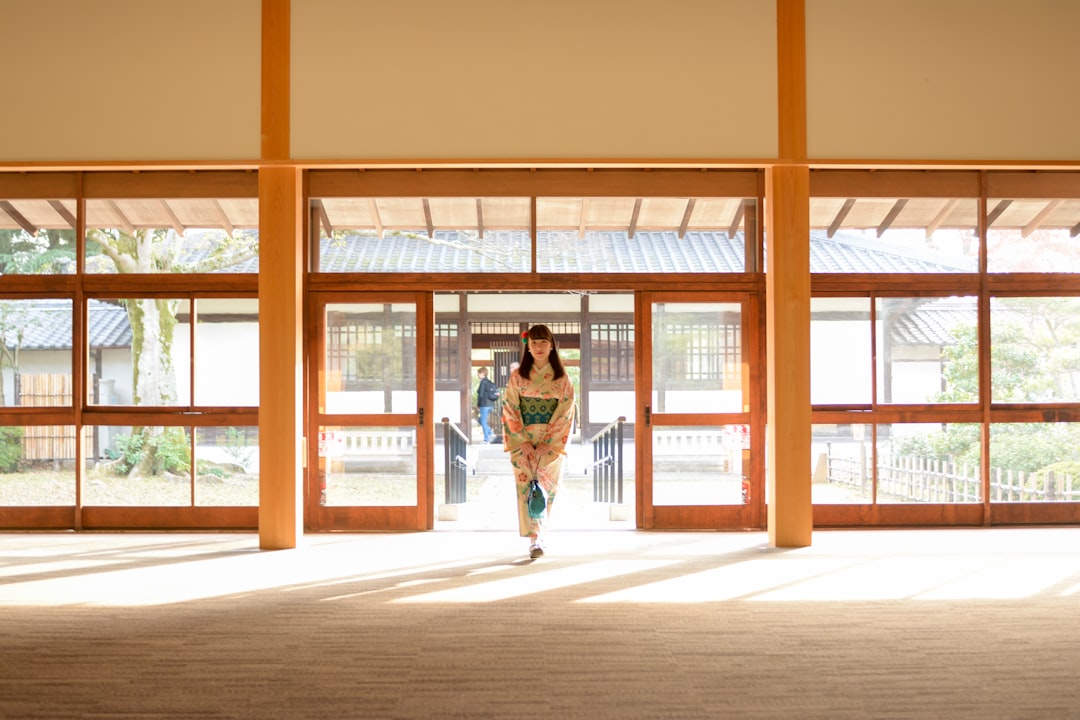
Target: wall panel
{"type": "Point", "coordinates": [489, 79]}
{"type": "Point", "coordinates": [130, 80]}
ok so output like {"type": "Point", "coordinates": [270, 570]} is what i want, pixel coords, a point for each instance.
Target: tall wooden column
{"type": "Point", "coordinates": [787, 288]}
{"type": "Point", "coordinates": [281, 520]}
{"type": "Point", "coordinates": [787, 330]}
{"type": "Point", "coordinates": [281, 392]}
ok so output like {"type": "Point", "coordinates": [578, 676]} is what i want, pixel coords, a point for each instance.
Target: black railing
{"type": "Point", "coordinates": [455, 450]}
{"type": "Point", "coordinates": [607, 464]}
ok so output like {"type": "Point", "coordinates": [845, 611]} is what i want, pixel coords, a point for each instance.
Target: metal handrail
{"type": "Point", "coordinates": [607, 464]}
{"type": "Point", "coordinates": [455, 444]}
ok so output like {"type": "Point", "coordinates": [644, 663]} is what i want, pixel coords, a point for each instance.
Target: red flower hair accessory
{"type": "Point", "coordinates": [525, 337]}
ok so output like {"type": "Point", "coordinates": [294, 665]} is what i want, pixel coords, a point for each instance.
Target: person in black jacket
{"type": "Point", "coordinates": [486, 395]}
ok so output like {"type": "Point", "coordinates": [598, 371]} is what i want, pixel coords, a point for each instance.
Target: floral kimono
{"type": "Point", "coordinates": [537, 412]}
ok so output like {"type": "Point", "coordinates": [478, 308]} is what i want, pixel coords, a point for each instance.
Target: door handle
{"type": "Point", "coordinates": [421, 414]}
{"type": "Point", "coordinates": [648, 415]}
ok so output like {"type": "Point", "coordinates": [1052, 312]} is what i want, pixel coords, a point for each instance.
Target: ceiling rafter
{"type": "Point", "coordinates": [428, 220]}
{"type": "Point", "coordinates": [840, 216]}
{"type": "Point", "coordinates": [686, 217]}
{"type": "Point", "coordinates": [480, 217]}
{"type": "Point", "coordinates": [324, 218]}
{"type": "Point", "coordinates": [174, 222]}
{"type": "Point", "coordinates": [940, 217]}
{"type": "Point", "coordinates": [893, 212]}
{"type": "Point", "coordinates": [1075, 230]}
{"type": "Point", "coordinates": [18, 217]}
{"type": "Point", "coordinates": [63, 212]}
{"type": "Point", "coordinates": [581, 219]}
{"type": "Point", "coordinates": [1036, 221]}
{"type": "Point", "coordinates": [994, 214]}
{"type": "Point", "coordinates": [634, 218]}
{"type": "Point", "coordinates": [737, 220]}
{"type": "Point", "coordinates": [376, 217]}
{"type": "Point", "coordinates": [124, 223]}
{"type": "Point", "coordinates": [223, 218]}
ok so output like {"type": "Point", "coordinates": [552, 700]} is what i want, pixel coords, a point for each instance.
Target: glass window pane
{"type": "Point", "coordinates": [1035, 462]}
{"type": "Point", "coordinates": [139, 466]}
{"type": "Point", "coordinates": [840, 351]}
{"type": "Point", "coordinates": [928, 463]}
{"type": "Point", "coordinates": [227, 466]}
{"type": "Point", "coordinates": [927, 350]}
{"type": "Point", "coordinates": [226, 352]}
{"type": "Point", "coordinates": [37, 237]}
{"type": "Point", "coordinates": [643, 235]}
{"type": "Point", "coordinates": [35, 355]}
{"type": "Point", "coordinates": [172, 235]}
{"type": "Point", "coordinates": [367, 466]}
{"type": "Point", "coordinates": [140, 351]}
{"type": "Point", "coordinates": [370, 363]}
{"type": "Point", "coordinates": [698, 465]}
{"type": "Point", "coordinates": [842, 456]}
{"type": "Point", "coordinates": [1032, 235]}
{"type": "Point", "coordinates": [1035, 349]}
{"type": "Point", "coordinates": [697, 358]}
{"type": "Point", "coordinates": [416, 234]}
{"type": "Point", "coordinates": [893, 235]}
{"type": "Point", "coordinates": [37, 465]}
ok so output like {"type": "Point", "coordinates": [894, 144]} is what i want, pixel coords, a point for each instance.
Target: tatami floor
{"type": "Point", "coordinates": [956, 623]}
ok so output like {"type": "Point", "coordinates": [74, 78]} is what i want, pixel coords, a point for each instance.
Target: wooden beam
{"type": "Point", "coordinates": [634, 218]}
{"type": "Point", "coordinates": [940, 217]}
{"type": "Point", "coordinates": [791, 78]}
{"type": "Point", "coordinates": [737, 220]}
{"type": "Point", "coordinates": [63, 212]}
{"type": "Point", "coordinates": [324, 218]}
{"type": "Point", "coordinates": [480, 217]}
{"type": "Point", "coordinates": [1036, 221]}
{"type": "Point", "coordinates": [840, 215]}
{"type": "Point", "coordinates": [686, 217]}
{"type": "Point", "coordinates": [427, 218]}
{"type": "Point", "coordinates": [376, 217]}
{"type": "Point", "coordinates": [1075, 230]}
{"type": "Point", "coordinates": [582, 226]}
{"type": "Point", "coordinates": [994, 214]}
{"type": "Point", "coordinates": [888, 221]}
{"type": "Point", "coordinates": [174, 221]}
{"type": "Point", "coordinates": [124, 223]}
{"type": "Point", "coordinates": [223, 218]}
{"type": "Point", "coordinates": [276, 74]}
{"type": "Point", "coordinates": [18, 217]}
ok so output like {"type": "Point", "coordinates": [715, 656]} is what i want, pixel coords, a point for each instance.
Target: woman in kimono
{"type": "Point", "coordinates": [538, 409]}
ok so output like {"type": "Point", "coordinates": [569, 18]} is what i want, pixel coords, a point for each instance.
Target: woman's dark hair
{"type": "Point", "coordinates": [540, 332]}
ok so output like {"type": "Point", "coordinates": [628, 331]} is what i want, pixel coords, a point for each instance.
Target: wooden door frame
{"type": "Point", "coordinates": [702, 517]}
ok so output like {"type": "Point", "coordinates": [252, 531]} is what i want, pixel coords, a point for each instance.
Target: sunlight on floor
{"type": "Point", "coordinates": [595, 568]}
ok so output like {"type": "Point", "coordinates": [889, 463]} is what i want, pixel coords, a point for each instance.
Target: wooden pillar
{"type": "Point", "coordinates": [787, 330]}
{"type": "Point", "coordinates": [281, 213]}
{"type": "Point", "coordinates": [281, 520]}
{"type": "Point", "coordinates": [787, 289]}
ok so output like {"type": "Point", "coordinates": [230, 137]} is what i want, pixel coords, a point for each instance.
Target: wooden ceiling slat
{"type": "Point", "coordinates": [736, 221]}
{"type": "Point", "coordinates": [125, 224]}
{"type": "Point", "coordinates": [376, 217]}
{"type": "Point", "coordinates": [634, 218]}
{"type": "Point", "coordinates": [940, 217]}
{"type": "Point", "coordinates": [1075, 230]}
{"type": "Point", "coordinates": [686, 217]}
{"type": "Point", "coordinates": [582, 216]}
{"type": "Point", "coordinates": [223, 218]}
{"type": "Point", "coordinates": [994, 214]}
{"type": "Point", "coordinates": [427, 218]}
{"type": "Point", "coordinates": [840, 215]}
{"type": "Point", "coordinates": [888, 221]}
{"type": "Point", "coordinates": [1039, 218]}
{"type": "Point", "coordinates": [63, 212]}
{"type": "Point", "coordinates": [480, 218]}
{"type": "Point", "coordinates": [18, 217]}
{"type": "Point", "coordinates": [174, 222]}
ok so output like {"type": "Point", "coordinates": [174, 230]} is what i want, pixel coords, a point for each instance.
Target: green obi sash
{"type": "Point", "coordinates": [537, 411]}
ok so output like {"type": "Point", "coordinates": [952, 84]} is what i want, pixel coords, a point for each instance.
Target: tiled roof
{"type": "Point", "coordinates": [931, 321]}
{"type": "Point", "coordinates": [46, 324]}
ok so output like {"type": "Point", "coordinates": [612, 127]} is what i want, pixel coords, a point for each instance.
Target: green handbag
{"type": "Point", "coordinates": [535, 500]}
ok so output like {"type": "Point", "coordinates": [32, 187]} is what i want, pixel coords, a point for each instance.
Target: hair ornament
{"type": "Point", "coordinates": [525, 337]}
